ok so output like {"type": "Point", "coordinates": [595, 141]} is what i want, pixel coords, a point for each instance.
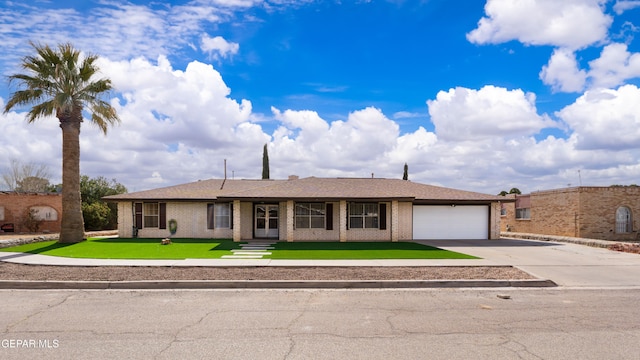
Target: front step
{"type": "Point", "coordinates": [251, 250]}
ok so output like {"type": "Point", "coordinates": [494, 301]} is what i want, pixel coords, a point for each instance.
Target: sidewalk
{"type": "Point", "coordinates": [566, 264]}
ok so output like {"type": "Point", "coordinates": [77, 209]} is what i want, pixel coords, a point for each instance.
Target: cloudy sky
{"type": "Point", "coordinates": [481, 96]}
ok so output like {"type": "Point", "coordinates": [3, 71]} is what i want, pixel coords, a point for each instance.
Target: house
{"type": "Point", "coordinates": [15, 208]}
{"type": "Point", "coordinates": [605, 213]}
{"type": "Point", "coordinates": [309, 209]}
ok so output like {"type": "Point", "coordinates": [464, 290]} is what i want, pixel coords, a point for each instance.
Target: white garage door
{"type": "Point", "coordinates": [450, 222]}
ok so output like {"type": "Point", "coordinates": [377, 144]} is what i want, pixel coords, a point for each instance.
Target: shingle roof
{"type": "Point", "coordinates": [308, 188]}
{"type": "Point", "coordinates": [199, 190]}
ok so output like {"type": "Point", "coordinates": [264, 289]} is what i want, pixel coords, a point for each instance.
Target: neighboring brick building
{"type": "Point", "coordinates": [605, 213]}
{"type": "Point", "coordinates": [14, 208]}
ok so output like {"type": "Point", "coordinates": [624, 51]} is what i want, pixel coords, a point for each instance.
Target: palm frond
{"type": "Point", "coordinates": [57, 81]}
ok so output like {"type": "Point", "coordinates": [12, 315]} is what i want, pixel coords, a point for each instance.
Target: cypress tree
{"type": "Point", "coordinates": [265, 163]}
{"type": "Point", "coordinates": [405, 176]}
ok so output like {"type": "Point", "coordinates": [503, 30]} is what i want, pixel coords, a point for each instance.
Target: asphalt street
{"type": "Point", "coordinates": [557, 323]}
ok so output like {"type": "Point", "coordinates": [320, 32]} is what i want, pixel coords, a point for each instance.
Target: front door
{"type": "Point", "coordinates": [266, 223]}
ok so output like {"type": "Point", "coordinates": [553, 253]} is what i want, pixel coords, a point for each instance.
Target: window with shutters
{"type": "Point", "coordinates": [310, 215]}
{"type": "Point", "coordinates": [363, 215]}
{"type": "Point", "coordinates": [151, 215]}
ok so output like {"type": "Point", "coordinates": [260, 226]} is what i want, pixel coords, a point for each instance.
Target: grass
{"type": "Point", "coordinates": [362, 251]}
{"type": "Point", "coordinates": [117, 248]}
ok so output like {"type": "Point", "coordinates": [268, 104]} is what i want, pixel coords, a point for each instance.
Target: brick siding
{"type": "Point", "coordinates": [16, 205]}
{"type": "Point", "coordinates": [587, 212]}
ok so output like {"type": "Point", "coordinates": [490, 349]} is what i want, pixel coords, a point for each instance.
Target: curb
{"type": "Point", "coordinates": [269, 284]}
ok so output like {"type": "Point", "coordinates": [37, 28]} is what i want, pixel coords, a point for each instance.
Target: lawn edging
{"type": "Point", "coordinates": [270, 284]}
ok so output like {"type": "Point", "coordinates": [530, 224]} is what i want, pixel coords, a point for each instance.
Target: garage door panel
{"type": "Point", "coordinates": [450, 222]}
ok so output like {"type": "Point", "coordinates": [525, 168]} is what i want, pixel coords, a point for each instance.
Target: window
{"type": "Point", "coordinates": [151, 215]}
{"type": "Point", "coordinates": [45, 213]}
{"type": "Point", "coordinates": [1, 213]}
{"type": "Point", "coordinates": [363, 215]}
{"type": "Point", "coordinates": [219, 215]}
{"type": "Point", "coordinates": [523, 214]}
{"type": "Point", "coordinates": [310, 215]}
{"type": "Point", "coordinates": [503, 210]}
{"type": "Point", "coordinates": [623, 220]}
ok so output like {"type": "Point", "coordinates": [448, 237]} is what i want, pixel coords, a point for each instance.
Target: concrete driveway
{"type": "Point", "coordinates": [566, 264]}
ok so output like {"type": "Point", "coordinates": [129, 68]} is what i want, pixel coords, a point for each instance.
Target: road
{"type": "Point", "coordinates": [321, 324]}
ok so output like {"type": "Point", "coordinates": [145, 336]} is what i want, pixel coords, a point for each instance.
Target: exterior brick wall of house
{"type": "Point", "coordinates": [191, 220]}
{"type": "Point", "coordinates": [405, 221]}
{"type": "Point", "coordinates": [588, 212]}
{"type": "Point", "coordinates": [494, 217]}
{"type": "Point", "coordinates": [15, 206]}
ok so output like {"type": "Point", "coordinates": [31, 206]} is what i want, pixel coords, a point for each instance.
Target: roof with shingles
{"type": "Point", "coordinates": [307, 188]}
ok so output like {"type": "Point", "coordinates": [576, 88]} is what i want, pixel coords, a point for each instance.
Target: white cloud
{"type": "Point", "coordinates": [115, 30]}
{"type": "Point", "coordinates": [624, 5]}
{"type": "Point", "coordinates": [466, 114]}
{"type": "Point", "coordinates": [219, 45]}
{"type": "Point", "coordinates": [313, 144]}
{"type": "Point", "coordinates": [605, 118]}
{"type": "Point", "coordinates": [562, 72]}
{"type": "Point", "coordinates": [178, 125]}
{"type": "Point", "coordinates": [571, 24]}
{"type": "Point", "coordinates": [614, 66]}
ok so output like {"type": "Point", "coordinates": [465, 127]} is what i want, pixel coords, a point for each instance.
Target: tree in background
{"type": "Point", "coordinates": [265, 163]}
{"type": "Point", "coordinates": [99, 215]}
{"type": "Point", "coordinates": [57, 82]}
{"type": "Point", "coordinates": [405, 176]}
{"type": "Point", "coordinates": [512, 191]}
{"type": "Point", "coordinates": [29, 177]}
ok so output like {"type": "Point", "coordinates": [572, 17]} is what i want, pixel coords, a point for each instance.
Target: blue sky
{"type": "Point", "coordinates": [477, 95]}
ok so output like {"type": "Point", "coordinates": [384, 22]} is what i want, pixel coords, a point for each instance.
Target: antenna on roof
{"type": "Point", "coordinates": [225, 174]}
{"type": "Point", "coordinates": [579, 177]}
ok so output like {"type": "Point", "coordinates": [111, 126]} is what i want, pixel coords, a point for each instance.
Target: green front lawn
{"type": "Point", "coordinates": [116, 248]}
{"type": "Point", "coordinates": [361, 251]}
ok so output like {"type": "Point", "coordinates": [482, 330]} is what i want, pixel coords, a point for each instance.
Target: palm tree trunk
{"type": "Point", "coordinates": [72, 227]}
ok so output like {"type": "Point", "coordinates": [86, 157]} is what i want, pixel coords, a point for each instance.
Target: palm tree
{"type": "Point", "coordinates": [58, 82]}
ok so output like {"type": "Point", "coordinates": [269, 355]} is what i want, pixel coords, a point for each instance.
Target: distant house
{"type": "Point", "coordinates": [606, 213]}
{"type": "Point", "coordinates": [320, 209]}
{"type": "Point", "coordinates": [15, 207]}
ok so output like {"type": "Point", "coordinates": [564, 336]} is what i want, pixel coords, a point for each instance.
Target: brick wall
{"type": "Point", "coordinates": [588, 212]}
{"type": "Point", "coordinates": [598, 211]}
{"type": "Point", "coordinates": [14, 208]}
{"type": "Point", "coordinates": [405, 220]}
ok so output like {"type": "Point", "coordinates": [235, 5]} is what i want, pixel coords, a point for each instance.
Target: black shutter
{"type": "Point", "coordinates": [138, 215]}
{"type": "Point", "coordinates": [210, 224]}
{"type": "Point", "coordinates": [231, 216]}
{"type": "Point", "coordinates": [329, 216]}
{"type": "Point", "coordinates": [382, 220]}
{"type": "Point", "coordinates": [347, 216]}
{"type": "Point", "coordinates": [163, 216]}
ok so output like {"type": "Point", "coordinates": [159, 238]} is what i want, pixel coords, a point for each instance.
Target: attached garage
{"type": "Point", "coordinates": [435, 222]}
